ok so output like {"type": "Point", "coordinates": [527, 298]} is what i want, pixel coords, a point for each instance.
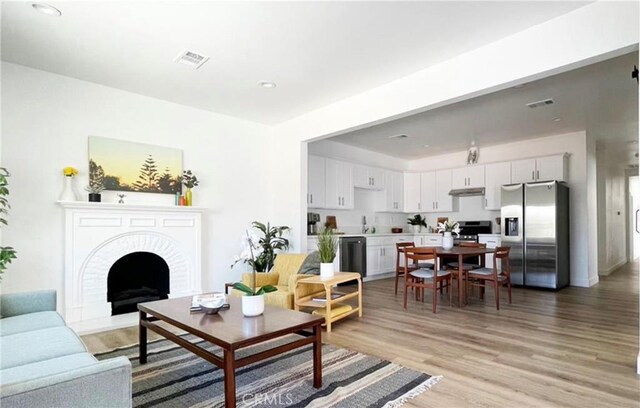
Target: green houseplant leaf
{"type": "Point", "coordinates": [7, 254]}
{"type": "Point", "coordinates": [327, 245]}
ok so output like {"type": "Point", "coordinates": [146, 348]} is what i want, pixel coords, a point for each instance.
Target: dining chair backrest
{"type": "Point", "coordinates": [420, 253]}
{"type": "Point", "coordinates": [472, 245]}
{"type": "Point", "coordinates": [502, 252]}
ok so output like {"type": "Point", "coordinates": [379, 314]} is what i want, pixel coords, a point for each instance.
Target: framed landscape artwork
{"type": "Point", "coordinates": [130, 166]}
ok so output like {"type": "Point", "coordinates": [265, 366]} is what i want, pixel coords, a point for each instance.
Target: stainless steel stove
{"type": "Point", "coordinates": [469, 231]}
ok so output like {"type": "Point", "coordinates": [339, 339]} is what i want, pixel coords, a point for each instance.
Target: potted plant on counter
{"type": "Point", "coordinates": [327, 248]}
{"type": "Point", "coordinates": [417, 222]}
{"type": "Point", "coordinates": [7, 254]}
{"type": "Point", "coordinates": [447, 228]}
{"type": "Point", "coordinates": [253, 298]}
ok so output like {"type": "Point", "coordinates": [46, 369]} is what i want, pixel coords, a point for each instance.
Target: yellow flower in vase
{"type": "Point", "coordinates": [70, 171]}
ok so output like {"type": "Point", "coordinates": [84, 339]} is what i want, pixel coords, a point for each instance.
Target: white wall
{"type": "Point", "coordinates": [353, 154]}
{"type": "Point", "coordinates": [612, 207]}
{"type": "Point", "coordinates": [46, 119]}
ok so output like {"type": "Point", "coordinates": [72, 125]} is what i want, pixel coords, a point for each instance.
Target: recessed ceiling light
{"type": "Point", "coordinates": [426, 146]}
{"type": "Point", "coordinates": [267, 84]}
{"type": "Point", "coordinates": [557, 119]}
{"type": "Point", "coordinates": [46, 9]}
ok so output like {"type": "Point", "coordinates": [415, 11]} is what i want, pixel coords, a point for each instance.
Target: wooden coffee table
{"type": "Point", "coordinates": [231, 331]}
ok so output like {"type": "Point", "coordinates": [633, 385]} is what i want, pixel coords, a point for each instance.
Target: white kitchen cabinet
{"type": "Point", "coordinates": [412, 192]}
{"type": "Point", "coordinates": [428, 191]}
{"type": "Point", "coordinates": [492, 241]}
{"type": "Point", "coordinates": [444, 202]}
{"type": "Point", "coordinates": [316, 182]}
{"type": "Point", "coordinates": [394, 191]}
{"type": "Point", "coordinates": [496, 175]}
{"type": "Point", "coordinates": [429, 240]}
{"type": "Point", "coordinates": [339, 184]}
{"type": "Point", "coordinates": [467, 177]}
{"type": "Point", "coordinates": [551, 168]}
{"type": "Point", "coordinates": [373, 260]}
{"type": "Point", "coordinates": [370, 178]}
{"type": "Point", "coordinates": [435, 187]}
{"type": "Point", "coordinates": [539, 169]}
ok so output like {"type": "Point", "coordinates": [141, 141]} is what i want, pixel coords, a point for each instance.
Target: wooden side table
{"type": "Point", "coordinates": [328, 283]}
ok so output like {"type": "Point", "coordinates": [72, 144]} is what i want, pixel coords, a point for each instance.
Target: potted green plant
{"type": "Point", "coordinates": [190, 181]}
{"type": "Point", "coordinates": [417, 221]}
{"type": "Point", "coordinates": [269, 242]}
{"type": "Point", "coordinates": [7, 254]}
{"type": "Point", "coordinates": [94, 189]}
{"type": "Point", "coordinates": [253, 299]}
{"type": "Point", "coordinates": [327, 248]}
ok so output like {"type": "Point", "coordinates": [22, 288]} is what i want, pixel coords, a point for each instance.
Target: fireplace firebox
{"type": "Point", "coordinates": [135, 278]}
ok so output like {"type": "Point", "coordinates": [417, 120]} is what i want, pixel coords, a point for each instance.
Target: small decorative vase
{"type": "Point", "coordinates": [447, 240]}
{"type": "Point", "coordinates": [326, 270]}
{"type": "Point", "coordinates": [417, 229]}
{"type": "Point", "coordinates": [252, 305]}
{"type": "Point", "coordinates": [95, 197]}
{"type": "Point", "coordinates": [189, 197]}
{"type": "Point", "coordinates": [68, 193]}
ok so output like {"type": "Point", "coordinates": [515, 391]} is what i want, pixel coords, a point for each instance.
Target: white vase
{"type": "Point", "coordinates": [417, 229]}
{"type": "Point", "coordinates": [447, 240]}
{"type": "Point", "coordinates": [68, 193]}
{"type": "Point", "coordinates": [252, 305]}
{"type": "Point", "coordinates": [326, 270]}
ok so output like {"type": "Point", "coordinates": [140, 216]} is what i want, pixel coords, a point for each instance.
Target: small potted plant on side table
{"type": "Point", "coordinates": [327, 248]}
{"type": "Point", "coordinates": [417, 222]}
{"type": "Point", "coordinates": [253, 298]}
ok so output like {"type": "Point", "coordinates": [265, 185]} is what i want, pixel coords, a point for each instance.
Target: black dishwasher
{"type": "Point", "coordinates": [353, 255]}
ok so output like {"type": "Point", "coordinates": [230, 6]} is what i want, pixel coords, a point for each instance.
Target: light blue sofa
{"type": "Point", "coordinates": [43, 363]}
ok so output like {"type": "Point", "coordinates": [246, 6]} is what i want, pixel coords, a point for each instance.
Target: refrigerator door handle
{"type": "Point", "coordinates": [637, 230]}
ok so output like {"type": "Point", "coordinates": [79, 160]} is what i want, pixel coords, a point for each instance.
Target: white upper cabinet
{"type": "Point", "coordinates": [370, 178]}
{"type": "Point", "coordinates": [339, 184]}
{"type": "Point", "coordinates": [412, 192]}
{"type": "Point", "coordinates": [428, 191]}
{"type": "Point", "coordinates": [468, 177]}
{"type": "Point", "coordinates": [496, 175]}
{"type": "Point", "coordinates": [316, 182]}
{"type": "Point", "coordinates": [394, 191]}
{"type": "Point", "coordinates": [443, 186]}
{"type": "Point", "coordinates": [539, 169]}
{"type": "Point", "coordinates": [551, 168]}
{"type": "Point", "coordinates": [434, 191]}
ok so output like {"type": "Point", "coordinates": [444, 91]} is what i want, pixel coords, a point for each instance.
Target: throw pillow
{"type": "Point", "coordinates": [311, 265]}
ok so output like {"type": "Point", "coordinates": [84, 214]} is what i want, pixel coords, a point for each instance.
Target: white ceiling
{"type": "Point", "coordinates": [316, 52]}
{"type": "Point", "coordinates": [601, 98]}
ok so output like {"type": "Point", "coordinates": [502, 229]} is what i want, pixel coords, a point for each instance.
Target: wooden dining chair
{"type": "Point", "coordinates": [466, 267]}
{"type": "Point", "coordinates": [400, 267]}
{"type": "Point", "coordinates": [492, 276]}
{"type": "Point", "coordinates": [422, 279]}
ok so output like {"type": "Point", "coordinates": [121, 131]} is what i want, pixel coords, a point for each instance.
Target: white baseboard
{"type": "Point", "coordinates": [380, 276]}
{"type": "Point", "coordinates": [593, 280]}
{"type": "Point", "coordinates": [609, 270]}
{"type": "Point", "coordinates": [638, 364]}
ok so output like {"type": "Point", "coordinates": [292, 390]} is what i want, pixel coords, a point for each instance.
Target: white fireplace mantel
{"type": "Point", "coordinates": [98, 234]}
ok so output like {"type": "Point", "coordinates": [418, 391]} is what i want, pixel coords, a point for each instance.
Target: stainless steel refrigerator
{"type": "Point", "coordinates": [535, 224]}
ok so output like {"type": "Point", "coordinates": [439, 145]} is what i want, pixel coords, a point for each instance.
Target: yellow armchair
{"type": "Point", "coordinates": [283, 276]}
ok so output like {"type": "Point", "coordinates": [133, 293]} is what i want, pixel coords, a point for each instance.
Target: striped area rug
{"type": "Point", "coordinates": [174, 377]}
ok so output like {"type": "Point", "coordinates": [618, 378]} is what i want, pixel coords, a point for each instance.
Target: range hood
{"type": "Point", "coordinates": [467, 192]}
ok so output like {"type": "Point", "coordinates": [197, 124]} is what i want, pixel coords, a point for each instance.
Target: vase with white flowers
{"type": "Point", "coordinates": [253, 298]}
{"type": "Point", "coordinates": [327, 248]}
{"type": "Point", "coordinates": [447, 228]}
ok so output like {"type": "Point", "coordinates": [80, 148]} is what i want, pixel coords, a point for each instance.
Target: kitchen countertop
{"type": "Point", "coordinates": [381, 234]}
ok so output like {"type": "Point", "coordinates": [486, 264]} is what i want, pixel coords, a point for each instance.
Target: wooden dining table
{"type": "Point", "coordinates": [461, 253]}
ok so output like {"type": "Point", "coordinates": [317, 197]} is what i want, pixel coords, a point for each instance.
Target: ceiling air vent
{"type": "Point", "coordinates": [192, 59]}
{"type": "Point", "coordinates": [398, 137]}
{"type": "Point", "coordinates": [538, 104]}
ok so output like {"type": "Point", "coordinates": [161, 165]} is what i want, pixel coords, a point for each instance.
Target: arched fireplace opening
{"type": "Point", "coordinates": [135, 278]}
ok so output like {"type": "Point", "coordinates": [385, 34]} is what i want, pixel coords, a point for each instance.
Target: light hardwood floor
{"type": "Point", "coordinates": [572, 348]}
